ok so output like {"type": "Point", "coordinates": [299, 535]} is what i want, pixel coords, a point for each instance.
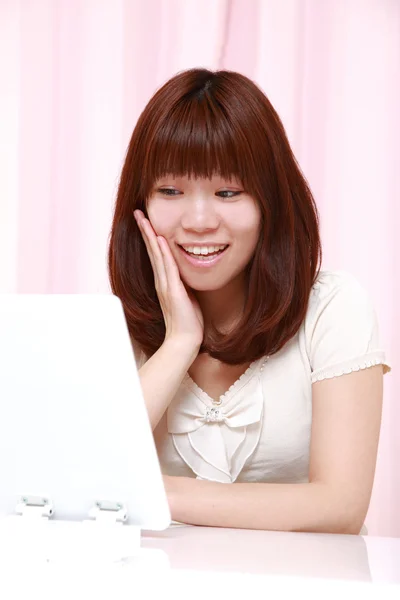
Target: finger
{"type": "Point", "coordinates": [148, 247]}
{"type": "Point", "coordinates": [154, 251]}
{"type": "Point", "coordinates": [171, 268]}
{"type": "Point", "coordinates": [147, 244]}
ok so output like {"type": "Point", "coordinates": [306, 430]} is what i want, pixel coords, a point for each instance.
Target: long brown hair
{"type": "Point", "coordinates": [202, 123]}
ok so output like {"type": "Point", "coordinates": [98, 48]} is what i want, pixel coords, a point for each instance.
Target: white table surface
{"type": "Point", "coordinates": [200, 562]}
{"type": "Point", "coordinates": [341, 557]}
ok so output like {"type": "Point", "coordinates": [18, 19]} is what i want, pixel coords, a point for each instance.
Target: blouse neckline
{"type": "Point", "coordinates": [233, 389]}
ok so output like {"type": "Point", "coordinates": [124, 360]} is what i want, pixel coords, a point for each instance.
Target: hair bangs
{"type": "Point", "coordinates": [196, 140]}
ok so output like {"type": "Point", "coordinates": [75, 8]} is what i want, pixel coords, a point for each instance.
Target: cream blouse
{"type": "Point", "coordinates": [260, 429]}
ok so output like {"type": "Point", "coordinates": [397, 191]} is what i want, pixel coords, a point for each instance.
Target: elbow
{"type": "Point", "coordinates": [353, 526]}
{"type": "Point", "coordinates": [340, 513]}
{"type": "Point", "coordinates": [343, 528]}
{"type": "Point", "coordinates": [350, 516]}
{"type": "Point", "coordinates": [349, 521]}
{"type": "Point", "coordinates": [338, 525]}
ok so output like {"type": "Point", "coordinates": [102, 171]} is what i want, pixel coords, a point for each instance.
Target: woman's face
{"type": "Point", "coordinates": [199, 214]}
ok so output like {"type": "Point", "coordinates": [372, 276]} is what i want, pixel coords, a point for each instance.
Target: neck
{"type": "Point", "coordinates": [222, 307]}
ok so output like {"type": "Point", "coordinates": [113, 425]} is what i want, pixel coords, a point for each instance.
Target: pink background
{"type": "Point", "coordinates": [75, 75]}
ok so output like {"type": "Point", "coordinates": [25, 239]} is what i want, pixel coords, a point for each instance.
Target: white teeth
{"type": "Point", "coordinates": [203, 250]}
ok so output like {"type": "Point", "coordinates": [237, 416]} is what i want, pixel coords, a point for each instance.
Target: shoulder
{"type": "Point", "coordinates": [330, 283]}
{"type": "Point", "coordinates": [338, 295]}
{"type": "Point", "coordinates": [341, 325]}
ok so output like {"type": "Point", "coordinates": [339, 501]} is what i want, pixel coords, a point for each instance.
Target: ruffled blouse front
{"type": "Point", "coordinates": [215, 439]}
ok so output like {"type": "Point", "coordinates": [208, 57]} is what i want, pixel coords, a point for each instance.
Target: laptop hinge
{"type": "Point", "coordinates": [34, 507]}
{"type": "Point", "coordinates": [106, 512]}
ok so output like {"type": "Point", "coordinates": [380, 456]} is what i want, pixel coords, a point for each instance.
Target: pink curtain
{"type": "Point", "coordinates": [76, 75]}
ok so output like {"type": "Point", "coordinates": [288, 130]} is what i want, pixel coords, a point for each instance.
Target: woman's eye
{"type": "Point", "coordinates": [229, 192]}
{"type": "Point", "coordinates": [168, 191]}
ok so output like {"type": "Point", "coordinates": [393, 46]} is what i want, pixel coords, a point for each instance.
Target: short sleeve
{"type": "Point", "coordinates": [341, 328]}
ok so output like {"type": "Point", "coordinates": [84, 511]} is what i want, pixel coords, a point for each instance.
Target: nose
{"type": "Point", "coordinates": [200, 216]}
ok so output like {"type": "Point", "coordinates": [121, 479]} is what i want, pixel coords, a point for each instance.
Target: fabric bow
{"type": "Point", "coordinates": [216, 440]}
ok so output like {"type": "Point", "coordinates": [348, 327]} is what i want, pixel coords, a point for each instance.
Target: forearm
{"type": "Point", "coordinates": [311, 507]}
{"type": "Point", "coordinates": [161, 376]}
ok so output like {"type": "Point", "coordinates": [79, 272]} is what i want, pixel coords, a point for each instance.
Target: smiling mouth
{"type": "Point", "coordinates": [208, 255]}
{"type": "Point", "coordinates": [203, 260]}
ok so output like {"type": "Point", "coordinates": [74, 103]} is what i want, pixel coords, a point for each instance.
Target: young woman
{"type": "Point", "coordinates": [257, 367]}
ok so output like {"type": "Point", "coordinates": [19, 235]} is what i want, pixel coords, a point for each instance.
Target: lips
{"type": "Point", "coordinates": [205, 255]}
{"type": "Point", "coordinates": [203, 245]}
{"type": "Point", "coordinates": [204, 262]}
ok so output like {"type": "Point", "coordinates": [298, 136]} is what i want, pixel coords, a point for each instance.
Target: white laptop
{"type": "Point", "coordinates": [75, 440]}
